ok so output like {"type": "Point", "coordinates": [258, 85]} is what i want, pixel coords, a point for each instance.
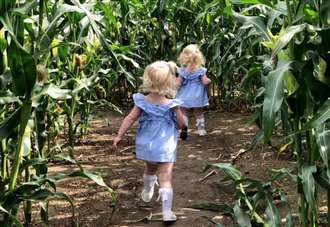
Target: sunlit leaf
{"type": "Point", "coordinates": [323, 141]}
{"type": "Point", "coordinates": [322, 114]}
{"type": "Point", "coordinates": [229, 170]}
{"type": "Point", "coordinates": [58, 93]}
{"type": "Point", "coordinates": [320, 69]}
{"type": "Point", "coordinates": [307, 180]}
{"type": "Point", "coordinates": [286, 36]}
{"type": "Point", "coordinates": [290, 83]}
{"type": "Point", "coordinates": [274, 95]}
{"type": "Point", "coordinates": [26, 141]}
{"type": "Point", "coordinates": [256, 22]}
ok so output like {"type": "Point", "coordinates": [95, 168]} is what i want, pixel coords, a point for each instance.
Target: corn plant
{"type": "Point", "coordinates": [295, 88]}
{"type": "Point", "coordinates": [255, 199]}
{"type": "Point", "coordinates": [26, 97]}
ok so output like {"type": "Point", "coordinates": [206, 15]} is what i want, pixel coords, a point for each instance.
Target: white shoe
{"type": "Point", "coordinates": [146, 194]}
{"type": "Point", "coordinates": [201, 131]}
{"type": "Point", "coordinates": [169, 217]}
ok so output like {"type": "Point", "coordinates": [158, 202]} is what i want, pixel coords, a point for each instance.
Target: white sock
{"type": "Point", "coordinates": [200, 122]}
{"type": "Point", "coordinates": [166, 195]}
{"type": "Point", "coordinates": [149, 181]}
{"type": "Point", "coordinates": [185, 120]}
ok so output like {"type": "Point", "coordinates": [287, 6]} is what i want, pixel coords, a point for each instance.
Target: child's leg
{"type": "Point", "coordinates": [149, 181]}
{"type": "Point", "coordinates": [200, 121]}
{"type": "Point", "coordinates": [185, 112]}
{"type": "Point", "coordinates": [166, 190]}
{"type": "Point", "coordinates": [184, 131]}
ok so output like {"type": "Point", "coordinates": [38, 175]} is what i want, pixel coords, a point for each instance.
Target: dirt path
{"type": "Point", "coordinates": [227, 135]}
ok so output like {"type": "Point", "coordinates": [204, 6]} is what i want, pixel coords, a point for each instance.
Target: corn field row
{"type": "Point", "coordinates": [60, 58]}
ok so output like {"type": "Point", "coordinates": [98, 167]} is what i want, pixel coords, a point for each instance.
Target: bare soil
{"type": "Point", "coordinates": [228, 139]}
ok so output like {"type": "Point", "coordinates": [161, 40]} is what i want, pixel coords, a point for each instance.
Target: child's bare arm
{"type": "Point", "coordinates": [126, 124]}
{"type": "Point", "coordinates": [179, 81]}
{"type": "Point", "coordinates": [179, 117]}
{"type": "Point", "coordinates": [205, 80]}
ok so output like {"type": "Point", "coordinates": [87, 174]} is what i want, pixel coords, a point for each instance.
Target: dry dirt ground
{"type": "Point", "coordinates": [227, 136]}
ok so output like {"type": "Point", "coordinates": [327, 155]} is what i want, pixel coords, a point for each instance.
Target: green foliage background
{"type": "Point", "coordinates": [58, 58]}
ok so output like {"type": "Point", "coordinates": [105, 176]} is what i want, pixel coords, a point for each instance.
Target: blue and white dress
{"type": "Point", "coordinates": [193, 92]}
{"type": "Point", "coordinates": [157, 136]}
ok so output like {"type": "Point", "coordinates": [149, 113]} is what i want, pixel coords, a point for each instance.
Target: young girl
{"type": "Point", "coordinates": [157, 136]}
{"type": "Point", "coordinates": [192, 82]}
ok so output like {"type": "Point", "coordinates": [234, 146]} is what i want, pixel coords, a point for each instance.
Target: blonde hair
{"type": "Point", "coordinates": [191, 56]}
{"type": "Point", "coordinates": [159, 77]}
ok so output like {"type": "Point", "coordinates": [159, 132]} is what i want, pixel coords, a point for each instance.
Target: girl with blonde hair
{"type": "Point", "coordinates": [156, 140]}
{"type": "Point", "coordinates": [192, 82]}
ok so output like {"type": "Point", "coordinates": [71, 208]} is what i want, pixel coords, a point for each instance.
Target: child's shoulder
{"type": "Point", "coordinates": [184, 72]}
{"type": "Point", "coordinates": [201, 71]}
{"type": "Point", "coordinates": [174, 102]}
{"type": "Point", "coordinates": [138, 96]}
{"type": "Point", "coordinates": [139, 100]}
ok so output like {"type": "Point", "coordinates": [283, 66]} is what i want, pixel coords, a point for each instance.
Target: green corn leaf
{"type": "Point", "coordinates": [96, 177]}
{"type": "Point", "coordinates": [7, 23]}
{"type": "Point", "coordinates": [242, 218]}
{"type": "Point", "coordinates": [23, 70]}
{"type": "Point", "coordinates": [274, 94]}
{"type": "Point", "coordinates": [325, 11]}
{"type": "Point", "coordinates": [8, 99]}
{"type": "Point", "coordinates": [256, 22]}
{"type": "Point", "coordinates": [307, 180]}
{"type": "Point", "coordinates": [322, 115]}
{"type": "Point", "coordinates": [32, 162]}
{"type": "Point", "coordinates": [321, 177]}
{"type": "Point", "coordinates": [85, 83]}
{"type": "Point", "coordinates": [24, 9]}
{"type": "Point", "coordinates": [66, 158]}
{"type": "Point", "coordinates": [50, 31]}
{"type": "Point", "coordinates": [286, 37]}
{"type": "Point", "coordinates": [229, 170]}
{"type": "Point", "coordinates": [102, 38]}
{"type": "Point", "coordinates": [44, 212]}
{"type": "Point", "coordinates": [13, 218]}
{"type": "Point", "coordinates": [323, 141]}
{"type": "Point", "coordinates": [238, 2]}
{"type": "Point", "coordinates": [58, 93]}
{"type": "Point", "coordinates": [26, 141]}
{"type": "Point", "coordinates": [288, 219]}
{"type": "Point", "coordinates": [9, 124]}
{"type": "Point", "coordinates": [290, 83]}
{"type": "Point", "coordinates": [320, 69]}
{"type": "Point", "coordinates": [26, 188]}
{"type": "Point", "coordinates": [274, 218]}
{"type": "Point", "coordinates": [39, 195]}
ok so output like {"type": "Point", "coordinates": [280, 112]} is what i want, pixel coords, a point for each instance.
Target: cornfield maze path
{"type": "Point", "coordinates": [228, 138]}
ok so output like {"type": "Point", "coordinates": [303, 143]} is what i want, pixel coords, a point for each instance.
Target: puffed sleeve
{"type": "Point", "coordinates": [175, 103]}
{"type": "Point", "coordinates": [139, 100]}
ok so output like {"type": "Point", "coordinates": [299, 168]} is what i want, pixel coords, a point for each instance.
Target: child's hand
{"type": "Point", "coordinates": [115, 143]}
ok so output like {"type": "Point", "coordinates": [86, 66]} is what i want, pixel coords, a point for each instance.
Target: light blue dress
{"type": "Point", "coordinates": [157, 136]}
{"type": "Point", "coordinates": [193, 92]}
